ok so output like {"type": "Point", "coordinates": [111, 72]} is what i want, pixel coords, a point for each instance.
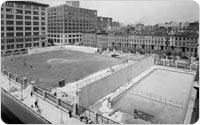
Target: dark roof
{"type": "Point", "coordinates": [30, 3]}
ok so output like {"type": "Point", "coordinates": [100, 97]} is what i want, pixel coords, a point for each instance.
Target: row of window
{"type": "Point", "coordinates": [65, 36]}
{"type": "Point", "coordinates": [19, 11]}
{"type": "Point", "coordinates": [8, 28]}
{"type": "Point", "coordinates": [21, 34]}
{"type": "Point", "coordinates": [19, 46]}
{"type": "Point", "coordinates": [184, 38]}
{"type": "Point", "coordinates": [26, 6]}
{"type": "Point", "coordinates": [18, 40]}
{"type": "Point", "coordinates": [9, 22]}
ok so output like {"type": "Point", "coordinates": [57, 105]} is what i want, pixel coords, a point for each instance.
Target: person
{"type": "Point", "coordinates": [81, 117]}
{"type": "Point", "coordinates": [90, 121]}
{"type": "Point", "coordinates": [31, 93]}
{"type": "Point", "coordinates": [70, 113]}
{"type": "Point", "coordinates": [36, 103]}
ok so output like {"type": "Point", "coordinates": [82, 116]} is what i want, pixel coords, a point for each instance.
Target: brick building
{"type": "Point", "coordinates": [66, 23]}
{"type": "Point", "coordinates": [23, 26]}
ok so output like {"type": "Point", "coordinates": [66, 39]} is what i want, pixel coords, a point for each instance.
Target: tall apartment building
{"type": "Point", "coordinates": [66, 23]}
{"type": "Point", "coordinates": [104, 23]}
{"type": "Point", "coordinates": [23, 26]}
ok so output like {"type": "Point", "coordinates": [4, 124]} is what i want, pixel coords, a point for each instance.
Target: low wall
{"type": "Point", "coordinates": [80, 48]}
{"type": "Point", "coordinates": [91, 93]}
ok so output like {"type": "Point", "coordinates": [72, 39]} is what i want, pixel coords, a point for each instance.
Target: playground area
{"type": "Point", "coordinates": [48, 67]}
{"type": "Point", "coordinates": [159, 97]}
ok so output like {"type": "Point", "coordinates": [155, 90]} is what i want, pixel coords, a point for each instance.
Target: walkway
{"type": "Point", "coordinates": [48, 110]}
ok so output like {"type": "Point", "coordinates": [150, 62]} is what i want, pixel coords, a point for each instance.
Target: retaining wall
{"type": "Point", "coordinates": [91, 93]}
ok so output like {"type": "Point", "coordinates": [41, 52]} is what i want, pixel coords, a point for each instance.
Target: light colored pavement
{"type": "Point", "coordinates": [48, 110]}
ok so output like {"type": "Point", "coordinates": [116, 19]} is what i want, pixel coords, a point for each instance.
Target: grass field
{"type": "Point", "coordinates": [50, 67]}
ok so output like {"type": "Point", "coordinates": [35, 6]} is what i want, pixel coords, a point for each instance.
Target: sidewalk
{"type": "Point", "coordinates": [48, 111]}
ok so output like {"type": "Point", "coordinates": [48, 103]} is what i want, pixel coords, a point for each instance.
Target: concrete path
{"type": "Point", "coordinates": [48, 110]}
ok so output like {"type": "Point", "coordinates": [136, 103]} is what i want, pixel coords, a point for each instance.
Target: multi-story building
{"type": "Point", "coordinates": [66, 23]}
{"type": "Point", "coordinates": [104, 23]}
{"type": "Point", "coordinates": [128, 42]}
{"type": "Point", "coordinates": [89, 39]}
{"type": "Point", "coordinates": [184, 44]}
{"type": "Point", "coordinates": [23, 26]}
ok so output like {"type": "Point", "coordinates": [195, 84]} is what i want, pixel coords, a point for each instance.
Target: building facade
{"type": "Point", "coordinates": [104, 23]}
{"type": "Point", "coordinates": [23, 26]}
{"type": "Point", "coordinates": [184, 44]}
{"type": "Point", "coordinates": [129, 42]}
{"type": "Point", "coordinates": [66, 23]}
{"type": "Point", "coordinates": [89, 39]}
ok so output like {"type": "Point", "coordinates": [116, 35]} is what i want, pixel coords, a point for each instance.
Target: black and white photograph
{"type": "Point", "coordinates": [100, 62]}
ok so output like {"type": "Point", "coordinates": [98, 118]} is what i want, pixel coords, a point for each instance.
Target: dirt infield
{"type": "Point", "coordinates": [50, 67]}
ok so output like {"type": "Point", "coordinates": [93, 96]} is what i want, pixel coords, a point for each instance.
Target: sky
{"type": "Point", "coordinates": [149, 12]}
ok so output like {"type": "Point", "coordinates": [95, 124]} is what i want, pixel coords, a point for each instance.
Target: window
{"type": "Point", "coordinates": [19, 17]}
{"type": "Point", "coordinates": [35, 44]}
{"type": "Point", "coordinates": [10, 40]}
{"type": "Point", "coordinates": [18, 40]}
{"type": "Point", "coordinates": [19, 34]}
{"type": "Point", "coordinates": [35, 39]}
{"type": "Point", "coordinates": [19, 22]}
{"type": "Point", "coordinates": [42, 18]}
{"type": "Point", "coordinates": [28, 34]}
{"type": "Point", "coordinates": [9, 10]}
{"type": "Point", "coordinates": [35, 18]}
{"type": "Point", "coordinates": [2, 34]}
{"type": "Point", "coordinates": [27, 28]}
{"type": "Point", "coordinates": [27, 6]}
{"type": "Point", "coordinates": [10, 34]}
{"type": "Point", "coordinates": [42, 23]}
{"type": "Point", "coordinates": [35, 13]}
{"type": "Point", "coordinates": [10, 46]}
{"type": "Point", "coordinates": [19, 11]}
{"type": "Point", "coordinates": [19, 28]}
{"type": "Point", "coordinates": [9, 16]}
{"type": "Point", "coordinates": [19, 5]}
{"type": "Point", "coordinates": [35, 23]}
{"type": "Point", "coordinates": [42, 28]}
{"type": "Point", "coordinates": [2, 28]}
{"type": "Point", "coordinates": [28, 17]}
{"type": "Point", "coordinates": [2, 16]}
{"type": "Point", "coordinates": [28, 12]}
{"type": "Point", "coordinates": [2, 47]}
{"type": "Point", "coordinates": [43, 13]}
{"type": "Point", "coordinates": [35, 28]}
{"type": "Point", "coordinates": [9, 28]}
{"type": "Point", "coordinates": [9, 4]}
{"type": "Point", "coordinates": [36, 33]}
{"type": "Point", "coordinates": [20, 45]}
{"type": "Point", "coordinates": [27, 23]}
{"type": "Point", "coordinates": [28, 39]}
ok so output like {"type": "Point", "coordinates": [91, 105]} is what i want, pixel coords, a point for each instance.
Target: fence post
{"type": "Point", "coordinates": [190, 67]}
{"type": "Point", "coordinates": [25, 82]}
{"type": "Point", "coordinates": [44, 94]}
{"type": "Point", "coordinates": [58, 100]}
{"type": "Point", "coordinates": [176, 64]}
